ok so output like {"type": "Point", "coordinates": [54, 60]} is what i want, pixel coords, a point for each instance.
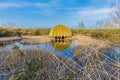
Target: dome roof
{"type": "Point", "coordinates": [60, 30]}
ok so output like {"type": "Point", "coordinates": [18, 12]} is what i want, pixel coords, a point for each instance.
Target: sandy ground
{"type": "Point", "coordinates": [87, 40]}
{"type": "Point", "coordinates": [80, 39]}
{"type": "Point", "coordinates": [36, 39]}
{"type": "Point", "coordinates": [7, 39]}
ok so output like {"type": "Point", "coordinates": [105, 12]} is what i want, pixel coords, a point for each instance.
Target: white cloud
{"type": "Point", "coordinates": [91, 15]}
{"type": "Point", "coordinates": [93, 12]}
{"type": "Point", "coordinates": [42, 8]}
{"type": "Point", "coordinates": [51, 3]}
{"type": "Point", "coordinates": [24, 4]}
{"type": "Point", "coordinates": [40, 4]}
{"type": "Point", "coordinates": [9, 4]}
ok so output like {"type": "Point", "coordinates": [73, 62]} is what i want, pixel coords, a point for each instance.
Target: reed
{"type": "Point", "coordinates": [24, 64]}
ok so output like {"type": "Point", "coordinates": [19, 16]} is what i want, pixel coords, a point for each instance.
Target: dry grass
{"type": "Point", "coordinates": [44, 65]}
{"type": "Point", "coordinates": [13, 65]}
{"type": "Point", "coordinates": [89, 63]}
{"type": "Point", "coordinates": [95, 66]}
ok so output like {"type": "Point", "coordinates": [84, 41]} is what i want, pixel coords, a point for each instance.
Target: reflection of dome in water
{"type": "Point", "coordinates": [61, 46]}
{"type": "Point", "coordinates": [59, 33]}
{"type": "Point", "coordinates": [60, 30]}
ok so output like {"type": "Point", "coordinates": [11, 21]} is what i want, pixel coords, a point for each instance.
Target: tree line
{"type": "Point", "coordinates": [10, 32]}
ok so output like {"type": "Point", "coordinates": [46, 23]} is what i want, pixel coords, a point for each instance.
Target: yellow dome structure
{"type": "Point", "coordinates": [60, 30]}
{"type": "Point", "coordinates": [61, 46]}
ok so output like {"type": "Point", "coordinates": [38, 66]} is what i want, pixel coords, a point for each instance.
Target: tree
{"type": "Point", "coordinates": [81, 25]}
{"type": "Point", "coordinates": [37, 32]}
{"type": "Point", "coordinates": [115, 14]}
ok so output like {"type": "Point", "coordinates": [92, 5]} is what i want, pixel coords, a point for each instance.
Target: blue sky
{"type": "Point", "coordinates": [47, 13]}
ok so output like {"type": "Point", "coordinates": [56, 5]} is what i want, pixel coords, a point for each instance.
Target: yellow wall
{"type": "Point", "coordinates": [60, 30]}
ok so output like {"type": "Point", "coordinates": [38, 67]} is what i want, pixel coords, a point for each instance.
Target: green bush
{"type": "Point", "coordinates": [32, 66]}
{"type": "Point", "coordinates": [100, 35]}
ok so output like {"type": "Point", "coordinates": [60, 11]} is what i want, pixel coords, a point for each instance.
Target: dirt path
{"type": "Point", "coordinates": [36, 39]}
{"type": "Point", "coordinates": [7, 39]}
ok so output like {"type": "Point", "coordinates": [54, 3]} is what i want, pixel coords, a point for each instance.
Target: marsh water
{"type": "Point", "coordinates": [64, 50]}
{"type": "Point", "coordinates": [61, 49]}
{"type": "Point", "coordinates": [113, 52]}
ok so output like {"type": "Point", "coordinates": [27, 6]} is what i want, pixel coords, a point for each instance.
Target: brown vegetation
{"type": "Point", "coordinates": [23, 64]}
